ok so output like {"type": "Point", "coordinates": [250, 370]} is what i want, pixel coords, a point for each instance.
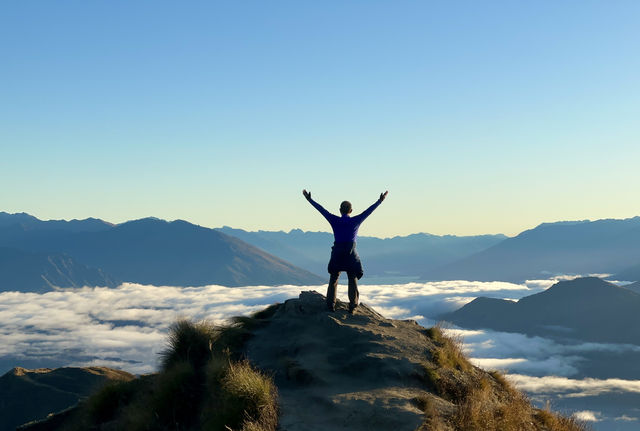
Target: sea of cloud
{"type": "Point", "coordinates": [126, 328]}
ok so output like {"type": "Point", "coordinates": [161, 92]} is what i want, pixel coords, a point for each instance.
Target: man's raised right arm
{"type": "Point", "coordinates": [317, 206]}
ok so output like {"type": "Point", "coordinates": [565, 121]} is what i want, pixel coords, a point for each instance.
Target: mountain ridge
{"type": "Point", "coordinates": [399, 256]}
{"type": "Point", "coordinates": [588, 309]}
{"type": "Point", "coordinates": [154, 251]}
{"type": "Point", "coordinates": [30, 394]}
{"type": "Point", "coordinates": [41, 272]}
{"type": "Point", "coordinates": [563, 248]}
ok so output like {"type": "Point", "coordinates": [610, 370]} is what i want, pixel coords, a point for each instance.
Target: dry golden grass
{"type": "Point", "coordinates": [241, 399]}
{"type": "Point", "coordinates": [189, 341]}
{"type": "Point", "coordinates": [432, 419]}
{"type": "Point", "coordinates": [484, 401]}
{"type": "Point", "coordinates": [483, 409]}
{"type": "Point", "coordinates": [449, 353]}
{"type": "Point", "coordinates": [553, 422]}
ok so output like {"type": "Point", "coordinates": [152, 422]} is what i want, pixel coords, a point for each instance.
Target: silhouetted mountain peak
{"type": "Point", "coordinates": [582, 285]}
{"type": "Point", "coordinates": [28, 222]}
{"type": "Point", "coordinates": [579, 290]}
{"type": "Point", "coordinates": [151, 221]}
{"type": "Point", "coordinates": [588, 308]}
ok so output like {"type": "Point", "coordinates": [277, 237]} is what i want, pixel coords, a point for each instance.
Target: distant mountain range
{"type": "Point", "coordinates": [588, 309]}
{"type": "Point", "coordinates": [584, 247]}
{"type": "Point", "coordinates": [148, 251]}
{"type": "Point", "coordinates": [153, 251]}
{"type": "Point", "coordinates": [29, 222]}
{"type": "Point", "coordinates": [40, 272]}
{"type": "Point", "coordinates": [27, 395]}
{"type": "Point", "coordinates": [400, 256]}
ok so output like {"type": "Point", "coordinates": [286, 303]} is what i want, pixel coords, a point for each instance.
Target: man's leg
{"type": "Point", "coordinates": [354, 295]}
{"type": "Point", "coordinates": [331, 291]}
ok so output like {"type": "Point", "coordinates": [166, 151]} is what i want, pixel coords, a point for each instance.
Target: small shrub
{"type": "Point", "coordinates": [216, 369]}
{"type": "Point", "coordinates": [176, 395]}
{"type": "Point", "coordinates": [510, 414]}
{"type": "Point", "coordinates": [254, 392]}
{"type": "Point", "coordinates": [432, 419]}
{"type": "Point", "coordinates": [446, 383]}
{"type": "Point", "coordinates": [555, 422]}
{"type": "Point", "coordinates": [231, 340]}
{"type": "Point", "coordinates": [189, 341]}
{"type": "Point", "coordinates": [501, 380]}
{"type": "Point", "coordinates": [449, 352]}
{"type": "Point", "coordinates": [245, 399]}
{"type": "Point", "coordinates": [104, 404]}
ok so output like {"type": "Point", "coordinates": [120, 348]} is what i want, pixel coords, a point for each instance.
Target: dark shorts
{"type": "Point", "coordinates": [344, 257]}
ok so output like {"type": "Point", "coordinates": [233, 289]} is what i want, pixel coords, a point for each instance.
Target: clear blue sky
{"type": "Point", "coordinates": [477, 116]}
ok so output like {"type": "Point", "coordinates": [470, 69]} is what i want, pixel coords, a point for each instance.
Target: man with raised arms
{"type": "Point", "coordinates": [344, 256]}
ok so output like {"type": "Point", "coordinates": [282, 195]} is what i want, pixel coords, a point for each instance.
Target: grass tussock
{"type": "Point", "coordinates": [553, 422]}
{"type": "Point", "coordinates": [449, 352]}
{"type": "Point", "coordinates": [448, 371]}
{"type": "Point", "coordinates": [493, 404]}
{"type": "Point", "coordinates": [432, 419]}
{"type": "Point", "coordinates": [103, 406]}
{"type": "Point", "coordinates": [483, 401]}
{"type": "Point", "coordinates": [189, 341]}
{"type": "Point", "coordinates": [483, 409]}
{"type": "Point", "coordinates": [246, 400]}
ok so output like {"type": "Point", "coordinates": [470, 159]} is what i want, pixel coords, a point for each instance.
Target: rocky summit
{"type": "Point", "coordinates": [337, 370]}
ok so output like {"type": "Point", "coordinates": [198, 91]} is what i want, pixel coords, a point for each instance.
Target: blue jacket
{"type": "Point", "coordinates": [345, 228]}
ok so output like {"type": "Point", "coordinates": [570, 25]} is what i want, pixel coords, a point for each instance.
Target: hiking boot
{"type": "Point", "coordinates": [352, 308]}
{"type": "Point", "coordinates": [331, 307]}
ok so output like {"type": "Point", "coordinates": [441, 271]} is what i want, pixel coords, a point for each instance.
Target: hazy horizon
{"type": "Point", "coordinates": [289, 229]}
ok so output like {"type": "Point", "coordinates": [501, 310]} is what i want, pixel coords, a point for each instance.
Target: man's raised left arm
{"type": "Point", "coordinates": [369, 210]}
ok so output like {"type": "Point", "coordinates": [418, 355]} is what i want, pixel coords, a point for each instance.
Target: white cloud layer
{"type": "Point", "coordinates": [573, 388]}
{"type": "Point", "coordinates": [127, 325]}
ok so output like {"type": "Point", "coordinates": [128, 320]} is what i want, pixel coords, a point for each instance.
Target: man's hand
{"type": "Point", "coordinates": [383, 195]}
{"type": "Point", "coordinates": [307, 195]}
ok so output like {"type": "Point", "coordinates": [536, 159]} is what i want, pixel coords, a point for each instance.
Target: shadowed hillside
{"type": "Point", "coordinates": [32, 394]}
{"type": "Point", "coordinates": [332, 371]}
{"type": "Point", "coordinates": [40, 272]}
{"type": "Point", "coordinates": [585, 308]}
